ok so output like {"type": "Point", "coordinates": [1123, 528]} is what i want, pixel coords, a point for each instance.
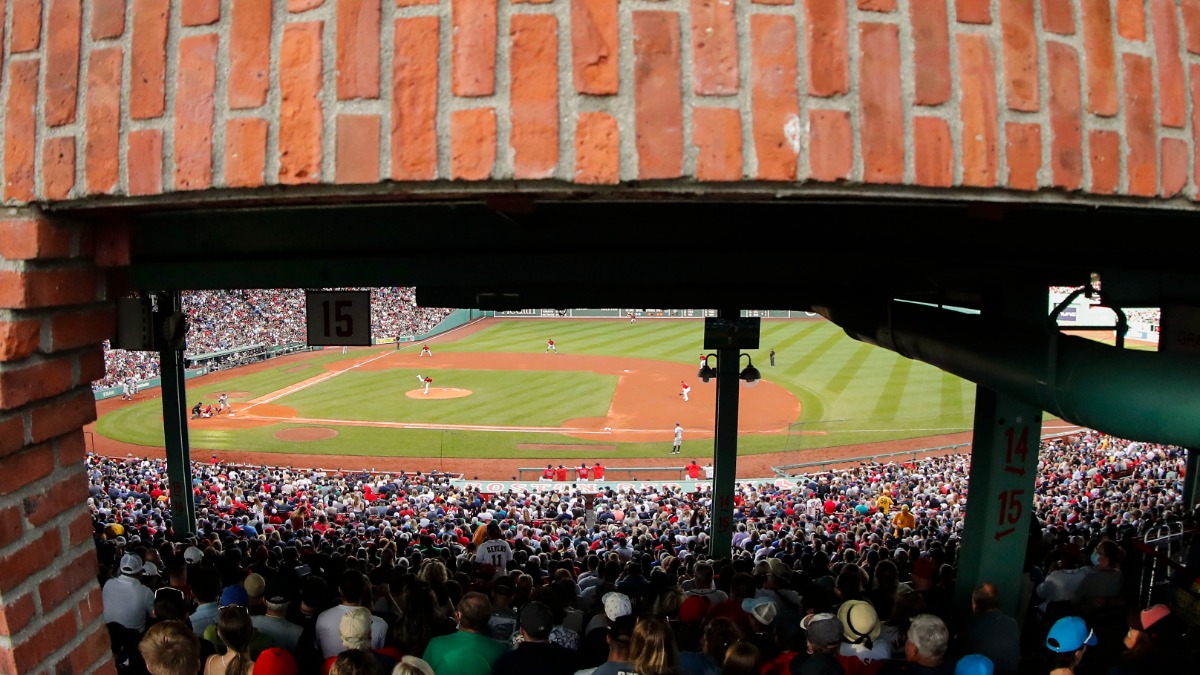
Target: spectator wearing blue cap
{"type": "Point", "coordinates": [1067, 641]}
{"type": "Point", "coordinates": [974, 664]}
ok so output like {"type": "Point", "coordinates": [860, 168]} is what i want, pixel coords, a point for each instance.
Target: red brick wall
{"type": "Point", "coordinates": [52, 319]}
{"type": "Point", "coordinates": [140, 97]}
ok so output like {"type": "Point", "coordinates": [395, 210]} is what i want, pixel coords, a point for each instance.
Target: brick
{"type": "Point", "coordinates": [62, 61]}
{"type": "Point", "coordinates": [474, 47]}
{"type": "Point", "coordinates": [91, 607]}
{"type": "Point", "coordinates": [717, 135]}
{"type": "Point", "coordinates": [1172, 89]}
{"type": "Point", "coordinates": [977, 74]}
{"type": "Point", "coordinates": [597, 149]}
{"type": "Point", "coordinates": [1058, 16]}
{"type": "Point", "coordinates": [594, 46]}
{"type": "Point", "coordinates": [877, 5]}
{"type": "Point", "coordinates": [1020, 55]}
{"type": "Point", "coordinates": [10, 531]}
{"type": "Point", "coordinates": [80, 528]}
{"type": "Point", "coordinates": [658, 94]}
{"type": "Point", "coordinates": [26, 26]}
{"type": "Point", "coordinates": [18, 339]}
{"type": "Point", "coordinates": [1023, 148]}
{"type": "Point", "coordinates": [16, 614]}
{"type": "Point", "coordinates": [108, 19]}
{"type": "Point", "coordinates": [42, 507]}
{"type": "Point", "coordinates": [12, 433]}
{"type": "Point", "coordinates": [195, 89]}
{"type": "Point", "coordinates": [91, 365]}
{"type": "Point", "coordinates": [533, 95]}
{"type": "Point", "coordinates": [415, 99]}
{"type": "Point", "coordinates": [1066, 123]}
{"type": "Point", "coordinates": [199, 12]}
{"type": "Point", "coordinates": [472, 143]}
{"type": "Point", "coordinates": [1141, 160]}
{"type": "Point", "coordinates": [931, 51]}
{"type": "Point", "coordinates": [296, 6]}
{"type": "Point", "coordinates": [27, 238]}
{"type": "Point", "coordinates": [830, 145]}
{"type": "Point", "coordinates": [249, 53]}
{"type": "Point", "coordinates": [148, 59]}
{"type": "Point", "coordinates": [21, 385]}
{"type": "Point", "coordinates": [775, 101]}
{"type": "Point", "coordinates": [828, 48]}
{"type": "Point", "coordinates": [356, 158]}
{"type": "Point", "coordinates": [300, 106]}
{"type": "Point", "coordinates": [245, 152]}
{"type": "Point", "coordinates": [143, 157]}
{"type": "Point", "coordinates": [95, 646]}
{"type": "Point", "coordinates": [1131, 19]}
{"type": "Point", "coordinates": [1191, 24]}
{"type": "Point", "coordinates": [973, 11]}
{"type": "Point", "coordinates": [714, 47]}
{"type": "Point", "coordinates": [71, 576]}
{"type": "Point", "coordinates": [49, 637]}
{"type": "Point", "coordinates": [1100, 57]}
{"type": "Point", "coordinates": [20, 128]}
{"type": "Point", "coordinates": [882, 111]}
{"type": "Point", "coordinates": [27, 466]}
{"type": "Point", "coordinates": [71, 447]}
{"type": "Point", "coordinates": [357, 49]}
{"type": "Point", "coordinates": [101, 151]}
{"type": "Point", "coordinates": [36, 555]}
{"type": "Point", "coordinates": [1174, 166]}
{"type": "Point", "coordinates": [64, 415]}
{"type": "Point", "coordinates": [58, 167]}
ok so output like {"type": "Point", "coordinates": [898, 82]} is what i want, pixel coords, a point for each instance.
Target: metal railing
{"type": "Point", "coordinates": [784, 469]}
{"type": "Point", "coordinates": [627, 471]}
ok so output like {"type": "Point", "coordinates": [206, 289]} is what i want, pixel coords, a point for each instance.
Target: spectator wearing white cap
{"type": "Point", "coordinates": [126, 600]}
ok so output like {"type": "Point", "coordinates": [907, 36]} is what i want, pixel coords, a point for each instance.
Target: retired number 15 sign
{"type": "Point", "coordinates": [337, 318]}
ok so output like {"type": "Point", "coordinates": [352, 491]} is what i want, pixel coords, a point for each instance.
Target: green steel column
{"type": "Point", "coordinates": [1004, 458]}
{"type": "Point", "coordinates": [1191, 480]}
{"type": "Point", "coordinates": [174, 404]}
{"type": "Point", "coordinates": [725, 451]}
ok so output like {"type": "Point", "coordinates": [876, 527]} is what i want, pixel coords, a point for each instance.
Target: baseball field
{"type": "Point", "coordinates": [612, 392]}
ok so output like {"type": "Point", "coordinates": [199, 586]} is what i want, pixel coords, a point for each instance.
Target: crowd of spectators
{"type": "Point", "coordinates": [849, 571]}
{"type": "Point", "coordinates": [223, 320]}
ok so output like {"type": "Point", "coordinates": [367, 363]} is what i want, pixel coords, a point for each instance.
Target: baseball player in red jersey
{"type": "Point", "coordinates": [693, 470]}
{"type": "Point", "coordinates": [561, 473]}
{"type": "Point", "coordinates": [685, 390]}
{"type": "Point", "coordinates": [428, 381]}
{"type": "Point", "coordinates": [426, 351]}
{"type": "Point", "coordinates": [582, 472]}
{"type": "Point", "coordinates": [550, 346]}
{"type": "Point", "coordinates": [703, 360]}
{"type": "Point", "coordinates": [548, 474]}
{"type": "Point", "coordinates": [598, 471]}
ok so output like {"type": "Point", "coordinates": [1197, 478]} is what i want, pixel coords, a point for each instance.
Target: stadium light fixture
{"type": "Point", "coordinates": [749, 374]}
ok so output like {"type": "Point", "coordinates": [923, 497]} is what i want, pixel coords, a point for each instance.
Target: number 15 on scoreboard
{"type": "Point", "coordinates": [339, 318]}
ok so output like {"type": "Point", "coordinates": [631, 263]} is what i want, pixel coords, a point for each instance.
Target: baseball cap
{"type": "Point", "coordinates": [762, 609]}
{"type": "Point", "coordinates": [504, 586]}
{"type": "Point", "coordinates": [417, 663]}
{"type": "Point", "coordinates": [149, 570]}
{"type": "Point", "coordinates": [1150, 616]}
{"type": "Point", "coordinates": [860, 621]}
{"type": "Point", "coordinates": [621, 629]}
{"type": "Point", "coordinates": [255, 585]}
{"type": "Point", "coordinates": [1069, 634]}
{"type": "Point", "coordinates": [355, 628]}
{"type": "Point", "coordinates": [131, 564]}
{"type": "Point", "coordinates": [823, 629]}
{"type": "Point", "coordinates": [537, 620]}
{"type": "Point", "coordinates": [192, 555]}
{"type": "Point", "coordinates": [974, 664]}
{"type": "Point", "coordinates": [234, 595]}
{"type": "Point", "coordinates": [778, 568]}
{"type": "Point", "coordinates": [275, 661]}
{"type": "Point", "coordinates": [616, 605]}
{"type": "Point", "coordinates": [694, 609]}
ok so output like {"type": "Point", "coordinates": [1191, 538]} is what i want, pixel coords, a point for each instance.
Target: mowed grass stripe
{"type": "Point", "coordinates": [951, 401]}
{"type": "Point", "coordinates": [832, 337]}
{"type": "Point", "coordinates": [850, 367]}
{"type": "Point", "coordinates": [892, 393]}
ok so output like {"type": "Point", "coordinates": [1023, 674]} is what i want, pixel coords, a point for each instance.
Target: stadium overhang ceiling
{"type": "Point", "coordinates": [517, 252]}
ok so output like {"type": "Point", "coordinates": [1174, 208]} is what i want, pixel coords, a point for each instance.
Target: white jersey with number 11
{"type": "Point", "coordinates": [495, 552]}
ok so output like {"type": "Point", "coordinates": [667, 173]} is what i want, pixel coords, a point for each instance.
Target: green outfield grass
{"type": "Point", "coordinates": [850, 393]}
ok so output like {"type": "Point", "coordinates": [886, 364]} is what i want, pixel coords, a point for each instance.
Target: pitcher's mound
{"type": "Point", "coordinates": [302, 434]}
{"type": "Point", "coordinates": [438, 392]}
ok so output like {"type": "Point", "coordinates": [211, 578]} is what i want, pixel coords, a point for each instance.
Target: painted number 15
{"type": "Point", "coordinates": [337, 318]}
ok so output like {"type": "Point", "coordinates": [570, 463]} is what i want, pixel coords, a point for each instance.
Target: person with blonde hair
{"type": "Point", "coordinates": [652, 649]}
{"type": "Point", "coordinates": [411, 665]}
{"type": "Point", "coordinates": [170, 648]}
{"type": "Point", "coordinates": [742, 658]}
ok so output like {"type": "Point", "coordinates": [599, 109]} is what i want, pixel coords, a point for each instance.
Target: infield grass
{"type": "Point", "coordinates": [850, 393]}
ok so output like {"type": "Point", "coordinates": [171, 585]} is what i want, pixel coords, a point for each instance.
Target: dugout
{"type": "Point", "coordinates": [876, 166]}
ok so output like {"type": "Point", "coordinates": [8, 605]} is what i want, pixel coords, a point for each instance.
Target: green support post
{"type": "Point", "coordinates": [725, 449]}
{"type": "Point", "coordinates": [175, 409]}
{"type": "Point", "coordinates": [1004, 457]}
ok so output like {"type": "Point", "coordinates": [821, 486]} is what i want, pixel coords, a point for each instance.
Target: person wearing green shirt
{"type": "Point", "coordinates": [469, 651]}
